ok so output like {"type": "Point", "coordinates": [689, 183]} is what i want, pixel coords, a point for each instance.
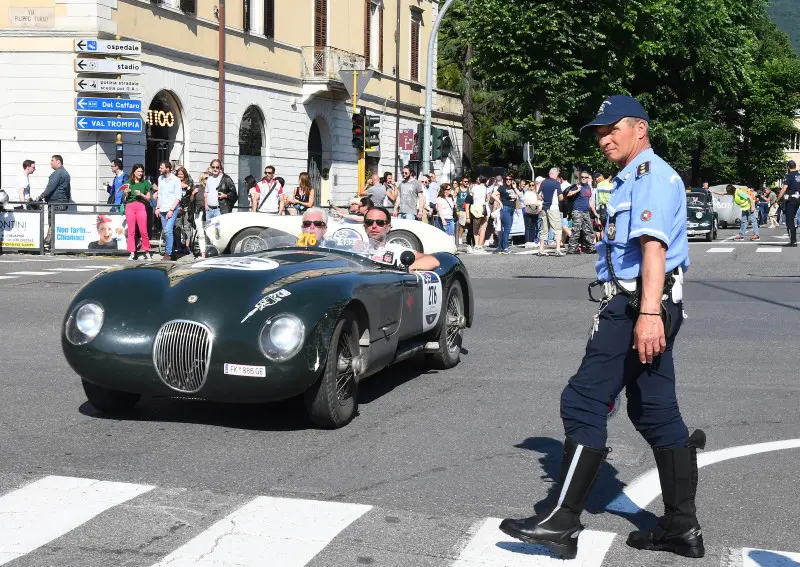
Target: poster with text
{"type": "Point", "coordinates": [20, 229]}
{"type": "Point", "coordinates": [95, 232]}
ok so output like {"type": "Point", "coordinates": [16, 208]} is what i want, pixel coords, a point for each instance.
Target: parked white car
{"type": "Point", "coordinates": [230, 233]}
{"type": "Point", "coordinates": [729, 213]}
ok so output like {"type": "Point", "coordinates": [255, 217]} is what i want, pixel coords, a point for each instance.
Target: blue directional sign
{"type": "Point", "coordinates": [97, 124]}
{"type": "Point", "coordinates": [92, 104]}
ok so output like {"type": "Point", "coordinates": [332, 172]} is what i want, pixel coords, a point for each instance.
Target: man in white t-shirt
{"type": "Point", "coordinates": [377, 224]}
{"type": "Point", "coordinates": [212, 191]}
{"type": "Point", "coordinates": [269, 193]}
{"type": "Point", "coordinates": [23, 182]}
{"type": "Point", "coordinates": [479, 221]}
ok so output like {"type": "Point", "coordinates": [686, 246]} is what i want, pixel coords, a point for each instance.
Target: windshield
{"type": "Point", "coordinates": [270, 239]}
{"type": "Point", "coordinates": [695, 199]}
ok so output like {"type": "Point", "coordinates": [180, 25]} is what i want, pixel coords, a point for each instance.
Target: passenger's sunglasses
{"type": "Point", "coordinates": [317, 223]}
{"type": "Point", "coordinates": [379, 222]}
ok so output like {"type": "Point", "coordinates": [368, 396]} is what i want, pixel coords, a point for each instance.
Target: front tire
{"type": "Point", "coordinates": [109, 401]}
{"type": "Point", "coordinates": [451, 334]}
{"type": "Point", "coordinates": [248, 240]}
{"type": "Point", "coordinates": [406, 239]}
{"type": "Point", "coordinates": [332, 401]}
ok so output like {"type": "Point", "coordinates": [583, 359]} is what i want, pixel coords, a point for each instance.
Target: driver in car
{"type": "Point", "coordinates": [377, 224]}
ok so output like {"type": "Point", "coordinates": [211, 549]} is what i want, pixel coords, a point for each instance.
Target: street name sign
{"type": "Point", "coordinates": [108, 46]}
{"type": "Point", "coordinates": [90, 104]}
{"type": "Point", "coordinates": [112, 66]}
{"type": "Point", "coordinates": [95, 124]}
{"type": "Point", "coordinates": [120, 86]}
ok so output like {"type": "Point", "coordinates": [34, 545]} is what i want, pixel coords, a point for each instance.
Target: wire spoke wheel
{"type": "Point", "coordinates": [453, 323]}
{"type": "Point", "coordinates": [345, 375]}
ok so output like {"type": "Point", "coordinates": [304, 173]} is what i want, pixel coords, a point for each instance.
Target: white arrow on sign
{"type": "Point", "coordinates": [82, 122]}
{"type": "Point", "coordinates": [113, 66]}
{"type": "Point", "coordinates": [108, 46]}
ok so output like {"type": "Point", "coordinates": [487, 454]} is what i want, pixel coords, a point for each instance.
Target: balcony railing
{"type": "Point", "coordinates": [324, 63]}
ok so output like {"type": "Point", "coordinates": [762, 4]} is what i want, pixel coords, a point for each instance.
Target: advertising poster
{"type": "Point", "coordinates": [20, 229]}
{"type": "Point", "coordinates": [95, 232]}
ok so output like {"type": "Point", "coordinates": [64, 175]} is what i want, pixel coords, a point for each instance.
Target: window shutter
{"type": "Point", "coordinates": [414, 50]}
{"type": "Point", "coordinates": [189, 6]}
{"type": "Point", "coordinates": [246, 15]}
{"type": "Point", "coordinates": [269, 18]}
{"type": "Point", "coordinates": [380, 31]}
{"type": "Point", "coordinates": [320, 23]}
{"type": "Point", "coordinates": [367, 32]}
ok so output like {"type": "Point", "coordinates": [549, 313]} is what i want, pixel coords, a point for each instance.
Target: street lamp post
{"type": "Point", "coordinates": [425, 143]}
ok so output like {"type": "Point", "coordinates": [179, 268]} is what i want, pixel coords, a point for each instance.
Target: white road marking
{"type": "Point", "coordinates": [40, 512]}
{"type": "Point", "coordinates": [30, 273]}
{"type": "Point", "coordinates": [8, 277]}
{"type": "Point", "coordinates": [491, 547]}
{"type": "Point", "coordinates": [288, 531]}
{"type": "Point", "coordinates": [72, 269]}
{"type": "Point", "coordinates": [646, 487]}
{"type": "Point", "coordinates": [768, 249]}
{"type": "Point", "coordinates": [767, 558]}
{"type": "Point", "coordinates": [720, 250]}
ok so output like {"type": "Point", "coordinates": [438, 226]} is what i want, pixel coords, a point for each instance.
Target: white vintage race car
{"type": "Point", "coordinates": [231, 233]}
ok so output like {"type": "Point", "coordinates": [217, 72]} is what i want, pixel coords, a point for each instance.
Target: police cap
{"type": "Point", "coordinates": [614, 109]}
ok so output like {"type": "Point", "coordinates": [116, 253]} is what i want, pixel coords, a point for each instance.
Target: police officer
{"type": "Point", "coordinates": [791, 187]}
{"type": "Point", "coordinates": [642, 257]}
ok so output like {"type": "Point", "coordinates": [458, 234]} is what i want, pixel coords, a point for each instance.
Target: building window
{"type": "Point", "coordinates": [373, 34]}
{"type": "Point", "coordinates": [188, 6]}
{"type": "Point", "coordinates": [320, 23]}
{"type": "Point", "coordinates": [794, 142]}
{"type": "Point", "coordinates": [246, 15]}
{"type": "Point", "coordinates": [269, 18]}
{"type": "Point", "coordinates": [416, 24]}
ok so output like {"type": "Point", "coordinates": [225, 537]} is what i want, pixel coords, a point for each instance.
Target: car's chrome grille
{"type": "Point", "coordinates": [181, 355]}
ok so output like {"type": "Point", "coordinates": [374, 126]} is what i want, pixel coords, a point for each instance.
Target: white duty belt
{"type": "Point", "coordinates": [610, 289]}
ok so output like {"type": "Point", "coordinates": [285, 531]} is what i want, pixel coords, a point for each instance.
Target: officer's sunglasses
{"type": "Point", "coordinates": [316, 223]}
{"type": "Point", "coordinates": [379, 222]}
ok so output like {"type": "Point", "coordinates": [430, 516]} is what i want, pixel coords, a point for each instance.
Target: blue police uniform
{"type": "Point", "coordinates": [648, 198]}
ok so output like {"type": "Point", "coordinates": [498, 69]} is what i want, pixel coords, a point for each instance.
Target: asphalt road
{"type": "Point", "coordinates": [432, 457]}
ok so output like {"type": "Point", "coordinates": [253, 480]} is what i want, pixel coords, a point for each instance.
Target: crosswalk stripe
{"type": "Point", "coordinates": [768, 249]}
{"type": "Point", "coordinates": [72, 269]}
{"type": "Point", "coordinates": [293, 530]}
{"type": "Point", "coordinates": [490, 546]}
{"type": "Point", "coordinates": [7, 277]}
{"type": "Point", "coordinates": [720, 250]}
{"type": "Point", "coordinates": [767, 558]}
{"type": "Point", "coordinates": [30, 273]}
{"type": "Point", "coordinates": [38, 513]}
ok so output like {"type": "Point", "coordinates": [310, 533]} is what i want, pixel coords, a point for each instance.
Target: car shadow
{"type": "Point", "coordinates": [286, 415]}
{"type": "Point", "coordinates": [606, 496]}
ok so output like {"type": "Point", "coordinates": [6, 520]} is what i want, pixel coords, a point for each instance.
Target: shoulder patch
{"type": "Point", "coordinates": [643, 169]}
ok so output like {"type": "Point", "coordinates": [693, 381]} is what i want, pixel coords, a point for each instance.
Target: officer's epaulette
{"type": "Point", "coordinates": [643, 169]}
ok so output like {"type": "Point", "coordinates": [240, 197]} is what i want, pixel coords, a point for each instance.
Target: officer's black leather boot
{"type": "Point", "coordinates": [678, 531]}
{"type": "Point", "coordinates": [559, 528]}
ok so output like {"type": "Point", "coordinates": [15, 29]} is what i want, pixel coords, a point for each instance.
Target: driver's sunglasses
{"type": "Point", "coordinates": [317, 223]}
{"type": "Point", "coordinates": [379, 222]}
{"type": "Point", "coordinates": [269, 173]}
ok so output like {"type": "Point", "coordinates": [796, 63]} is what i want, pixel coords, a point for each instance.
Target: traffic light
{"type": "Point", "coordinates": [441, 144]}
{"type": "Point", "coordinates": [372, 132]}
{"type": "Point", "coordinates": [358, 130]}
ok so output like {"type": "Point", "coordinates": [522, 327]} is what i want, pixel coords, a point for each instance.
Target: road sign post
{"type": "Point", "coordinates": [355, 82]}
{"type": "Point", "coordinates": [108, 47]}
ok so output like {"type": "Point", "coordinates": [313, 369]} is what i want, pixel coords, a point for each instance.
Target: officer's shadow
{"type": "Point", "coordinates": [605, 497]}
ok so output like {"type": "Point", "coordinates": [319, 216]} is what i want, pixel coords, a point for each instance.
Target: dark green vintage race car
{"type": "Point", "coordinates": [262, 327]}
{"type": "Point", "coordinates": [701, 218]}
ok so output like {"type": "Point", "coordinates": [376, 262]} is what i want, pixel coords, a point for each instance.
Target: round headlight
{"type": "Point", "coordinates": [84, 323]}
{"type": "Point", "coordinates": [282, 337]}
{"type": "Point", "coordinates": [698, 215]}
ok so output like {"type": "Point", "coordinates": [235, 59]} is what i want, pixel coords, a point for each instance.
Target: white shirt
{"type": "Point", "coordinates": [212, 195]}
{"type": "Point", "coordinates": [169, 191]}
{"type": "Point", "coordinates": [23, 183]}
{"type": "Point", "coordinates": [269, 204]}
{"type": "Point", "coordinates": [445, 206]}
{"type": "Point", "coordinates": [479, 193]}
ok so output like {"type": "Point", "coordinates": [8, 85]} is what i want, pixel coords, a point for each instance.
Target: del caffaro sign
{"type": "Point", "coordinates": [122, 105]}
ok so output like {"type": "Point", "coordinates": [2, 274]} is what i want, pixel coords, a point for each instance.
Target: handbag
{"type": "Point", "coordinates": [477, 210]}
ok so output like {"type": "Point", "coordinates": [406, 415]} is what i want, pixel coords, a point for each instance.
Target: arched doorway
{"type": "Point", "coordinates": [319, 158]}
{"type": "Point", "coordinates": [164, 132]}
{"type": "Point", "coordinates": [251, 149]}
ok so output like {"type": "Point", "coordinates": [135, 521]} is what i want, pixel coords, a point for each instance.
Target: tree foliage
{"type": "Point", "coordinates": [717, 77]}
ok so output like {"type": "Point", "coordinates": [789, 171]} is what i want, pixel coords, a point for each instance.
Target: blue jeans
{"type": "Point", "coordinates": [506, 219]}
{"type": "Point", "coordinates": [211, 213]}
{"type": "Point", "coordinates": [168, 228]}
{"type": "Point", "coordinates": [532, 228]}
{"type": "Point", "coordinates": [407, 216]}
{"type": "Point", "coordinates": [450, 227]}
{"type": "Point", "coordinates": [753, 219]}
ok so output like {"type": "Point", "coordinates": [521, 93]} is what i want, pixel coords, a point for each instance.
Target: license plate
{"type": "Point", "coordinates": [245, 370]}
